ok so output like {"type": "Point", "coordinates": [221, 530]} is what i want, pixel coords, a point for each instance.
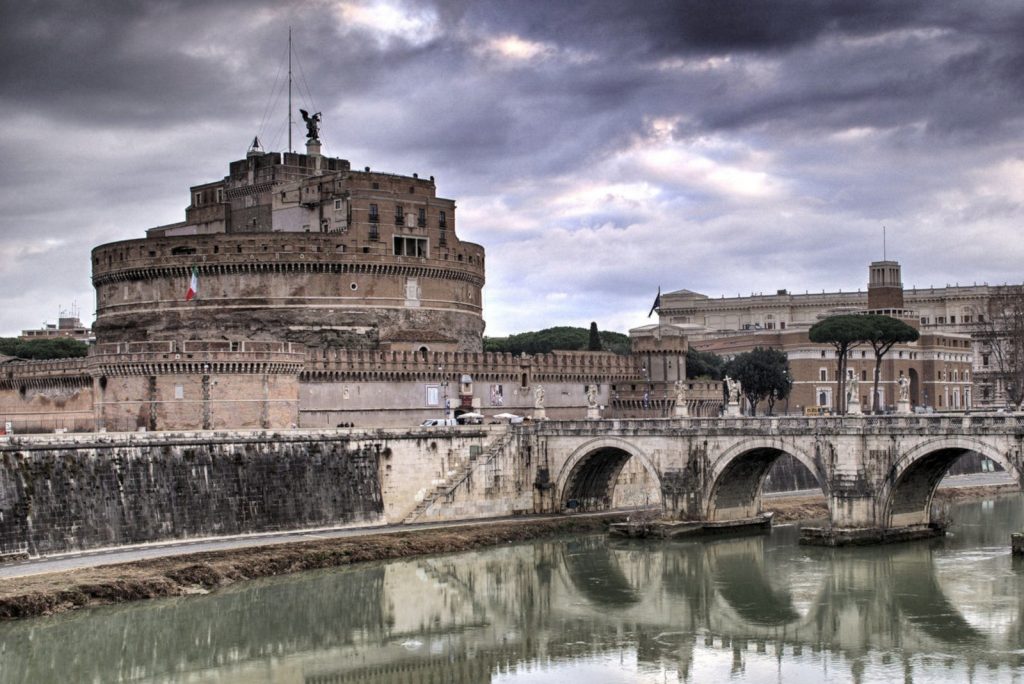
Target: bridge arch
{"type": "Point", "coordinates": [907, 492]}
{"type": "Point", "coordinates": [588, 476]}
{"type": "Point", "coordinates": [736, 476]}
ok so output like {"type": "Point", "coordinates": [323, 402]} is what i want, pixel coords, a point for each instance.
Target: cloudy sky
{"type": "Point", "coordinates": [598, 150]}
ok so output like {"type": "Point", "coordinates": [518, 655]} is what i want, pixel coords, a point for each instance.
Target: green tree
{"type": "Point", "coordinates": [565, 338]}
{"type": "Point", "coordinates": [48, 348]}
{"type": "Point", "coordinates": [843, 332]}
{"type": "Point", "coordinates": [764, 375]}
{"type": "Point", "coordinates": [883, 333]}
{"type": "Point", "coordinates": [594, 343]}
{"type": "Point", "coordinates": [702, 364]}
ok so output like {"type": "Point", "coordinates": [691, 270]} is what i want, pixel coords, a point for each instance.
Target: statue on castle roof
{"type": "Point", "coordinates": [312, 124]}
{"type": "Point", "coordinates": [538, 397]}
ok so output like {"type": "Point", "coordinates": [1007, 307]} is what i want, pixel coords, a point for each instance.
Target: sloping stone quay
{"type": "Point", "coordinates": [64, 493]}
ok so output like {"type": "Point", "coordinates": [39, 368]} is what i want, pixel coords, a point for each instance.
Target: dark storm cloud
{"type": "Point", "coordinates": [671, 142]}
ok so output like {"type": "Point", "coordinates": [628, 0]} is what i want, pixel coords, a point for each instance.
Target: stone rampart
{"type": "Point", "coordinates": [63, 493]}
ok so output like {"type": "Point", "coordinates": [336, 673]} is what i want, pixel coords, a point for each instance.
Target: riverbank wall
{"type": "Point", "coordinates": [61, 493]}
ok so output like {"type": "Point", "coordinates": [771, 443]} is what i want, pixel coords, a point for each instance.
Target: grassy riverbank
{"type": "Point", "coordinates": [197, 573]}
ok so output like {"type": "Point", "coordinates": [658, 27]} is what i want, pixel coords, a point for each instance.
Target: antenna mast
{"type": "Point", "coordinates": [290, 149]}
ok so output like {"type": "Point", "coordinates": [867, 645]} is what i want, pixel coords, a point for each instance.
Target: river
{"type": "Point", "coordinates": [582, 609]}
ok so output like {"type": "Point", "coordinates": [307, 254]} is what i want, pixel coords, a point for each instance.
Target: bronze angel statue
{"type": "Point", "coordinates": [312, 124]}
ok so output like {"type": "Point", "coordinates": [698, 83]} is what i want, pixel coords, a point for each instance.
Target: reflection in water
{"type": "Point", "coordinates": [750, 609]}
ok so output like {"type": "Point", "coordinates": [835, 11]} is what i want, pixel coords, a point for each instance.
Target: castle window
{"type": "Point", "coordinates": [924, 320]}
{"type": "Point", "coordinates": [421, 219]}
{"type": "Point", "coordinates": [952, 319]}
{"type": "Point", "coordinates": [442, 220]}
{"type": "Point", "coordinates": [337, 205]}
{"type": "Point", "coordinates": [375, 186]}
{"type": "Point", "coordinates": [374, 216]}
{"type": "Point", "coordinates": [412, 189]}
{"type": "Point", "coordinates": [444, 238]}
{"type": "Point", "coordinates": [822, 374]}
{"type": "Point", "coordinates": [199, 199]}
{"type": "Point", "coordinates": [410, 246]}
{"type": "Point", "coordinates": [399, 215]}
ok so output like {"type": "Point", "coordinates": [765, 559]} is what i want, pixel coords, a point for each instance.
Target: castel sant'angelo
{"type": "Point", "coordinates": [300, 292]}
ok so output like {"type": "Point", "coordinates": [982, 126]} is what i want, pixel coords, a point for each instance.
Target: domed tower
{"type": "Point", "coordinates": [299, 248]}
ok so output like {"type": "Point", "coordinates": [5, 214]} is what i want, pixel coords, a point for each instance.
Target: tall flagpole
{"type": "Point", "coordinates": [290, 149]}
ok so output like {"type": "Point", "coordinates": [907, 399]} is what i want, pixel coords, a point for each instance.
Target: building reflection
{"type": "Point", "coordinates": [465, 618]}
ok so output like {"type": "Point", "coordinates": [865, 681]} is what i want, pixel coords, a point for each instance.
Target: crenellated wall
{"type": "Point", "coordinates": [224, 384]}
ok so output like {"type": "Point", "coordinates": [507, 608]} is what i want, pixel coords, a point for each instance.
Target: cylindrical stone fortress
{"type": "Point", "coordinates": [299, 248]}
{"type": "Point", "coordinates": [315, 289]}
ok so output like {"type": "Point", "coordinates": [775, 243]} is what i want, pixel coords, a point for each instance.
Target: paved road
{"type": "Point", "coordinates": [96, 557]}
{"type": "Point", "coordinates": [122, 554]}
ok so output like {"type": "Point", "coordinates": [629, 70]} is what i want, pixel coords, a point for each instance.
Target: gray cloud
{"type": "Point", "coordinates": [597, 149]}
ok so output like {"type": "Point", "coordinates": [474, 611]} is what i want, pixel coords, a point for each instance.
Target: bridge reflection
{"type": "Point", "coordinates": [465, 618]}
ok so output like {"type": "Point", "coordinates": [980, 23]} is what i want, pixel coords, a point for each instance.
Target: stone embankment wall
{"type": "Point", "coordinates": [70, 492]}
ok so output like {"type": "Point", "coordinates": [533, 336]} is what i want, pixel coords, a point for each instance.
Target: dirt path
{"type": "Point", "coordinates": [36, 595]}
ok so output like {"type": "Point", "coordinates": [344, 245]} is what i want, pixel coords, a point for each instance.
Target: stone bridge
{"type": "Point", "coordinates": [878, 473]}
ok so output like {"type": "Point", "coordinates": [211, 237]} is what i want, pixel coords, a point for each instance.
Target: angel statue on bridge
{"type": "Point", "coordinates": [904, 391]}
{"type": "Point", "coordinates": [734, 388]}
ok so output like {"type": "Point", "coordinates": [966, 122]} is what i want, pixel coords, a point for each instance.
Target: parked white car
{"type": "Point", "coordinates": [439, 422]}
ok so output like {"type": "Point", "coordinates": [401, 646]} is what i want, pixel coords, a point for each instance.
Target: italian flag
{"type": "Point", "coordinates": [193, 285]}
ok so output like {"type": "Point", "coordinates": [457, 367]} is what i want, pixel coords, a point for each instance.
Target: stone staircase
{"type": "Point", "coordinates": [457, 476]}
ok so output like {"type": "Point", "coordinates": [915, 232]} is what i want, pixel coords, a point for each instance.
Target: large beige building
{"type": "Point", "coordinates": [299, 248]}
{"type": "Point", "coordinates": [324, 296]}
{"type": "Point", "coordinates": [948, 367]}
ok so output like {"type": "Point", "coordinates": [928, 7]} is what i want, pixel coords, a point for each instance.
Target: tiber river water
{"type": "Point", "coordinates": [583, 609]}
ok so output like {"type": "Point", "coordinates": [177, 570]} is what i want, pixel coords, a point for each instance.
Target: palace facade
{"type": "Point", "coordinates": [948, 367]}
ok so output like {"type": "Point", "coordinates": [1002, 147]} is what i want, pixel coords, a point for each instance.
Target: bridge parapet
{"type": "Point", "coordinates": [983, 424]}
